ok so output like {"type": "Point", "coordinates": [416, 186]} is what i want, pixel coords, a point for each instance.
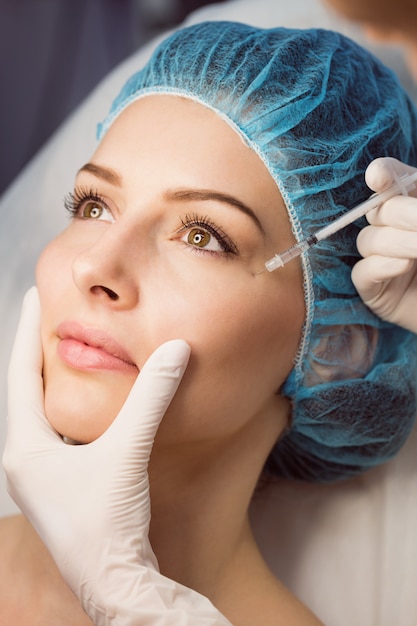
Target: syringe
{"type": "Point", "coordinates": [401, 185]}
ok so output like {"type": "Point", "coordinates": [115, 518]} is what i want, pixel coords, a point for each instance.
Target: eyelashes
{"type": "Point", "coordinates": [201, 234]}
{"type": "Point", "coordinates": [74, 201]}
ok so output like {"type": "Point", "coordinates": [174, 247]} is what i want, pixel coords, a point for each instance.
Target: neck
{"type": "Point", "coordinates": [200, 496]}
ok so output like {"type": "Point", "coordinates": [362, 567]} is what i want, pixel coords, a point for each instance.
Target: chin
{"type": "Point", "coordinates": [73, 420]}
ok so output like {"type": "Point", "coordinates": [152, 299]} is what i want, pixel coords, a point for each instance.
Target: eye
{"type": "Point", "coordinates": [87, 205]}
{"type": "Point", "coordinates": [204, 235]}
{"type": "Point", "coordinates": [91, 210]}
{"type": "Point", "coordinates": [202, 239]}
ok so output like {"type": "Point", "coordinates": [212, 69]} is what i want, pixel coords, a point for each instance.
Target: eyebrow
{"type": "Point", "coordinates": [185, 195]}
{"type": "Point", "coordinates": [105, 173]}
{"type": "Point", "coordinates": [201, 195]}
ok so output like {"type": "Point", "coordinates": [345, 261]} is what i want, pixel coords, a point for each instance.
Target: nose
{"type": "Point", "coordinates": [107, 270]}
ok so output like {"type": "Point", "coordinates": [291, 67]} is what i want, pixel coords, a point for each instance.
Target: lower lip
{"type": "Point", "coordinates": [83, 357]}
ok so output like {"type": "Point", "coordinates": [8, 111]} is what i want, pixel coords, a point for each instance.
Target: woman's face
{"type": "Point", "coordinates": [173, 218]}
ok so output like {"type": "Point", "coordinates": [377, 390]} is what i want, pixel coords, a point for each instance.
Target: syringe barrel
{"type": "Point", "coordinates": [402, 185]}
{"type": "Point", "coordinates": [279, 260]}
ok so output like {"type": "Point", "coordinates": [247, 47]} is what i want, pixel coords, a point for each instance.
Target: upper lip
{"type": "Point", "coordinates": [94, 337]}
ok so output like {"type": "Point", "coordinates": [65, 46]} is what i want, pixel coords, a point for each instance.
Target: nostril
{"type": "Point", "coordinates": [112, 294]}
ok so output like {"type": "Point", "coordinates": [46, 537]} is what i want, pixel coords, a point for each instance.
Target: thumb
{"type": "Point", "coordinates": [26, 423]}
{"type": "Point", "coordinates": [25, 384]}
{"type": "Point", "coordinates": [135, 427]}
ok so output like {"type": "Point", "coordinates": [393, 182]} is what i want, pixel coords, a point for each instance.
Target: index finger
{"type": "Point", "coordinates": [379, 174]}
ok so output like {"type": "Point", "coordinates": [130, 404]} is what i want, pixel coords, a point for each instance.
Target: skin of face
{"type": "Point", "coordinates": [150, 257]}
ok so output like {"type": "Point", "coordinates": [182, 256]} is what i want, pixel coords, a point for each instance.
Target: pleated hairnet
{"type": "Point", "coordinates": [316, 108]}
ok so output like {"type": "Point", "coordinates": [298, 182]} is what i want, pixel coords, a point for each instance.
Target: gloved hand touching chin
{"type": "Point", "coordinates": [386, 278]}
{"type": "Point", "coordinates": [90, 503]}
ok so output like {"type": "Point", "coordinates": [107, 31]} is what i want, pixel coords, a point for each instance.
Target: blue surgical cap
{"type": "Point", "coordinates": [316, 108]}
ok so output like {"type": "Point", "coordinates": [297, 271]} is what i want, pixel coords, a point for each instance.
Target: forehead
{"type": "Point", "coordinates": [171, 140]}
{"type": "Point", "coordinates": [160, 119]}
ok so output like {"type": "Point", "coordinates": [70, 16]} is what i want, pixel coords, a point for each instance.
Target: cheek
{"type": "Point", "coordinates": [242, 350]}
{"type": "Point", "coordinates": [49, 281]}
{"type": "Point", "coordinates": [53, 272]}
{"type": "Point", "coordinates": [45, 274]}
{"type": "Point", "coordinates": [53, 279]}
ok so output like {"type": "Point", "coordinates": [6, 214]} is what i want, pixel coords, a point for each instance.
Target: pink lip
{"type": "Point", "coordinates": [90, 348]}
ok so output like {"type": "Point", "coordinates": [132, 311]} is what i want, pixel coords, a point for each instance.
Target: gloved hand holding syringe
{"type": "Point", "coordinates": [401, 185]}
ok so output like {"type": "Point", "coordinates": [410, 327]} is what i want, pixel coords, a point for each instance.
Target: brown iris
{"type": "Point", "coordinates": [92, 210]}
{"type": "Point", "coordinates": [198, 237]}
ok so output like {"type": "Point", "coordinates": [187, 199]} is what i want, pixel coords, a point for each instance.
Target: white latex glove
{"type": "Point", "coordinates": [90, 503]}
{"type": "Point", "coordinates": [386, 278]}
